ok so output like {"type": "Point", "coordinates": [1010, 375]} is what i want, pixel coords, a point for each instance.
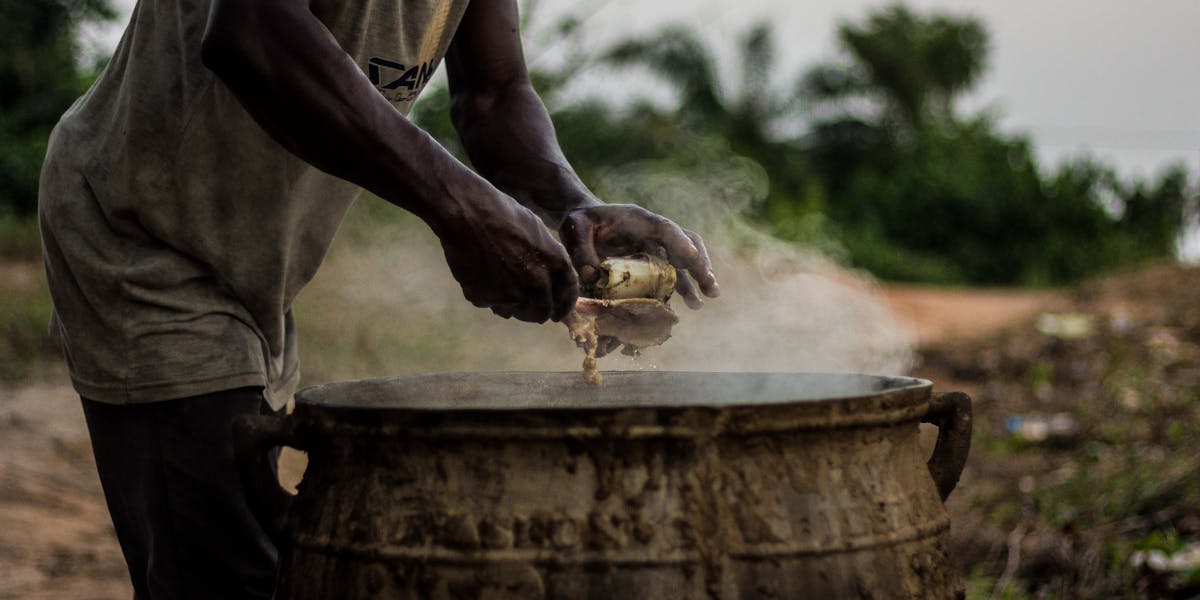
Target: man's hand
{"type": "Point", "coordinates": [593, 233]}
{"type": "Point", "coordinates": [506, 260]}
{"type": "Point", "coordinates": [510, 139]}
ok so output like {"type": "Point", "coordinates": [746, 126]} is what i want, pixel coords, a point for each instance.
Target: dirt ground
{"type": "Point", "coordinates": [1085, 457]}
{"type": "Point", "coordinates": [938, 315]}
{"type": "Point", "coordinates": [56, 540]}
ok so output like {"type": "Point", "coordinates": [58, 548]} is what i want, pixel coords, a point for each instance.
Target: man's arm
{"type": "Point", "coordinates": [502, 122]}
{"type": "Point", "coordinates": [327, 113]}
{"type": "Point", "coordinates": [510, 139]}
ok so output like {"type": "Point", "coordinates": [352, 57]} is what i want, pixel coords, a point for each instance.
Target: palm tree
{"type": "Point", "coordinates": [904, 68]}
{"type": "Point", "coordinates": [678, 56]}
{"type": "Point", "coordinates": [748, 119]}
{"type": "Point", "coordinates": [899, 73]}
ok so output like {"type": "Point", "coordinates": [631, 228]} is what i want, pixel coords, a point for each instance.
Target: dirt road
{"type": "Point", "coordinates": [942, 314]}
{"type": "Point", "coordinates": [56, 540]}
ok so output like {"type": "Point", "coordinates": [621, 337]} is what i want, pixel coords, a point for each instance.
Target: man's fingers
{"type": "Point", "coordinates": [542, 292]}
{"type": "Point", "coordinates": [566, 291]}
{"type": "Point", "coordinates": [705, 277]}
{"type": "Point", "coordinates": [687, 289]}
{"type": "Point", "coordinates": [630, 230]}
{"type": "Point", "coordinates": [476, 297]}
{"type": "Point", "coordinates": [530, 312]}
{"type": "Point", "coordinates": [533, 312]}
{"type": "Point", "coordinates": [686, 251]}
{"type": "Point", "coordinates": [578, 235]}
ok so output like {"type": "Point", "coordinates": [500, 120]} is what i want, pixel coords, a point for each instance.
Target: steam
{"type": "Point", "coordinates": [783, 307]}
{"type": "Point", "coordinates": [385, 303]}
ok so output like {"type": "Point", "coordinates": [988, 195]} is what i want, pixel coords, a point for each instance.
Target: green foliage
{"type": "Point", "coordinates": [910, 66]}
{"type": "Point", "coordinates": [747, 119]}
{"type": "Point", "coordinates": [24, 303]}
{"type": "Point", "coordinates": [904, 186]}
{"type": "Point", "coordinates": [923, 194]}
{"type": "Point", "coordinates": [24, 321]}
{"type": "Point", "coordinates": [973, 203]}
{"type": "Point", "coordinates": [678, 55]}
{"type": "Point", "coordinates": [981, 587]}
{"type": "Point", "coordinates": [40, 76]}
{"type": "Point", "coordinates": [911, 190]}
{"type": "Point", "coordinates": [19, 239]}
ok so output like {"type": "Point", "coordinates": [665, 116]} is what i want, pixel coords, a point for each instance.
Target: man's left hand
{"type": "Point", "coordinates": [596, 232]}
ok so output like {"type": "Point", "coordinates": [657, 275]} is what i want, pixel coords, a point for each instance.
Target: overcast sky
{"type": "Point", "coordinates": [1117, 79]}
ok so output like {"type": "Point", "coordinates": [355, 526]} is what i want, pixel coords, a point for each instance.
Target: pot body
{"type": "Point", "coordinates": [826, 498]}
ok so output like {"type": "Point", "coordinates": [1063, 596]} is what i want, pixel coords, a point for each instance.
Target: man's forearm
{"type": "Point", "coordinates": [331, 116]}
{"type": "Point", "coordinates": [511, 142]}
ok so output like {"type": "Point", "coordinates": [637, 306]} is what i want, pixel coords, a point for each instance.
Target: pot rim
{"type": "Point", "coordinates": [525, 391]}
{"type": "Point", "coordinates": [369, 409]}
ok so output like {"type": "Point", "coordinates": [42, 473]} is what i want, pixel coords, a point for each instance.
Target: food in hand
{"type": "Point", "coordinates": [637, 276]}
{"type": "Point", "coordinates": [631, 308]}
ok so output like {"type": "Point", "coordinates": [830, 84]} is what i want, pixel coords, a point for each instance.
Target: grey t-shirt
{"type": "Point", "coordinates": [177, 233]}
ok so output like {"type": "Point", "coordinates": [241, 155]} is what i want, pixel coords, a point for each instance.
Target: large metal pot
{"type": "Point", "coordinates": [654, 486]}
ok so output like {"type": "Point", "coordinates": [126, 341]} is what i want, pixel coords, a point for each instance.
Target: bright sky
{"type": "Point", "coordinates": [1117, 79]}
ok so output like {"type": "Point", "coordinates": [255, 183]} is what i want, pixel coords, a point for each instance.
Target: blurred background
{"type": "Point", "coordinates": [1000, 197]}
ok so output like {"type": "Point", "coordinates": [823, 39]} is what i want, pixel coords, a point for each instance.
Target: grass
{"type": "Point", "coordinates": [24, 321]}
{"type": "Point", "coordinates": [19, 239]}
{"type": "Point", "coordinates": [25, 302]}
{"type": "Point", "coordinates": [1080, 507]}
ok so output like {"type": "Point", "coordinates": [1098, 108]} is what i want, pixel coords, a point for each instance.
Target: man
{"type": "Point", "coordinates": [193, 191]}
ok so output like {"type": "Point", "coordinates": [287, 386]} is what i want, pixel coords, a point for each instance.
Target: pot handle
{"type": "Point", "coordinates": [951, 413]}
{"type": "Point", "coordinates": [254, 436]}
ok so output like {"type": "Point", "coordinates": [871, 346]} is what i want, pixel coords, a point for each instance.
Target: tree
{"type": "Point", "coordinates": [595, 135]}
{"type": "Point", "coordinates": [749, 119]}
{"type": "Point", "coordinates": [911, 189]}
{"type": "Point", "coordinates": [40, 76]}
{"type": "Point", "coordinates": [908, 67]}
{"type": "Point", "coordinates": [924, 194]}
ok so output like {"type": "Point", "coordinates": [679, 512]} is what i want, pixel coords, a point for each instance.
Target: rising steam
{"type": "Point", "coordinates": [385, 302]}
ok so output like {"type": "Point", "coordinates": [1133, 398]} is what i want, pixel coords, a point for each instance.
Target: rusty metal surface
{"type": "Point", "coordinates": [824, 495]}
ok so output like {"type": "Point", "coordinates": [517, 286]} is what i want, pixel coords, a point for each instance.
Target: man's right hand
{"type": "Point", "coordinates": [506, 260]}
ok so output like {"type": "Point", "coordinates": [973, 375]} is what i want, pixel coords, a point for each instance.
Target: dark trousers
{"type": "Point", "coordinates": [178, 505]}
